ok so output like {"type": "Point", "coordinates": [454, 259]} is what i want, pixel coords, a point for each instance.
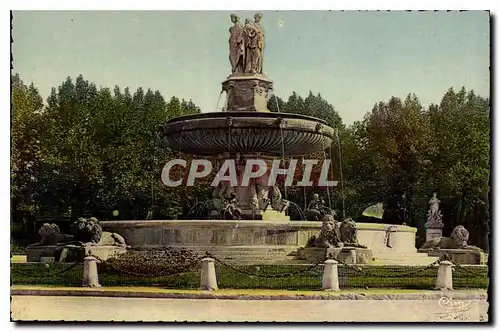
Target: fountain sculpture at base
{"type": "Point", "coordinates": [254, 202]}
{"type": "Point", "coordinates": [317, 210]}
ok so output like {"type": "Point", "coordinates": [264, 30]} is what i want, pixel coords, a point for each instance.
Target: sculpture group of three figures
{"type": "Point", "coordinates": [246, 45]}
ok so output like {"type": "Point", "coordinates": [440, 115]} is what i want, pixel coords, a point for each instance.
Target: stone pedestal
{"type": "Point", "coordinates": [460, 256]}
{"type": "Point", "coordinates": [346, 255]}
{"type": "Point", "coordinates": [72, 253]}
{"type": "Point", "coordinates": [431, 233]}
{"type": "Point", "coordinates": [247, 92]}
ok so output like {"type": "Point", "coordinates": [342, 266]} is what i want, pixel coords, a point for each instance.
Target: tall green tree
{"type": "Point", "coordinates": [461, 160]}
{"type": "Point", "coordinates": [102, 155]}
{"type": "Point", "coordinates": [27, 105]}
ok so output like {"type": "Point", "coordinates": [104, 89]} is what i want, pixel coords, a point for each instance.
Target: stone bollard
{"type": "Point", "coordinates": [208, 278]}
{"type": "Point", "coordinates": [90, 277]}
{"type": "Point", "coordinates": [330, 276]}
{"type": "Point", "coordinates": [444, 276]}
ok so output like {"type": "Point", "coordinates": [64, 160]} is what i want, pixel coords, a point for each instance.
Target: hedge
{"type": "Point", "coordinates": [227, 277]}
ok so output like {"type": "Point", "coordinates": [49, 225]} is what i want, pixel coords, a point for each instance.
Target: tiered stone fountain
{"type": "Point", "coordinates": [247, 129]}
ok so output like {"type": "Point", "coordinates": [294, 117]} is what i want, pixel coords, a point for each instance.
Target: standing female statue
{"type": "Point", "coordinates": [254, 45]}
{"type": "Point", "coordinates": [237, 45]}
{"type": "Point", "coordinates": [257, 18]}
{"type": "Point", "coordinates": [434, 207]}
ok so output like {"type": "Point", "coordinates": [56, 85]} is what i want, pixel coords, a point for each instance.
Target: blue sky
{"type": "Point", "coordinates": [354, 59]}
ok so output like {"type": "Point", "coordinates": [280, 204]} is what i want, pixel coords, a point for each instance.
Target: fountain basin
{"type": "Point", "coordinates": [248, 132]}
{"type": "Point", "coordinates": [244, 240]}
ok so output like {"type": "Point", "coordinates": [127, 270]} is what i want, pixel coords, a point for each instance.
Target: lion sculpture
{"type": "Point", "coordinates": [349, 234]}
{"type": "Point", "coordinates": [89, 231]}
{"type": "Point", "coordinates": [458, 239]}
{"type": "Point", "coordinates": [84, 231]}
{"type": "Point", "coordinates": [51, 235]}
{"type": "Point", "coordinates": [329, 236]}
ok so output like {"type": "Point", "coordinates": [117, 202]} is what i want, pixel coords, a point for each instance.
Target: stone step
{"type": "Point", "coordinates": [263, 248]}
{"type": "Point", "coordinates": [402, 254]}
{"type": "Point", "coordinates": [288, 255]}
{"type": "Point", "coordinates": [387, 255]}
{"type": "Point", "coordinates": [409, 262]}
{"type": "Point", "coordinates": [256, 258]}
{"type": "Point", "coordinates": [426, 259]}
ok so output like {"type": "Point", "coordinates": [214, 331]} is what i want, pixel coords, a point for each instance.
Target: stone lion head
{"type": "Point", "coordinates": [87, 230]}
{"type": "Point", "coordinates": [328, 222]}
{"type": "Point", "coordinates": [327, 226]}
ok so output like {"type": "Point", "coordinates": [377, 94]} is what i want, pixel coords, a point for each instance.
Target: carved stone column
{"type": "Point", "coordinates": [247, 92]}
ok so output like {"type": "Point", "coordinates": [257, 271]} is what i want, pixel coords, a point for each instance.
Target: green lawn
{"type": "Point", "coordinates": [370, 277]}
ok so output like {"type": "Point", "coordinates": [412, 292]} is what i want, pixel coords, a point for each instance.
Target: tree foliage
{"type": "Point", "coordinates": [25, 138]}
{"type": "Point", "coordinates": [97, 151]}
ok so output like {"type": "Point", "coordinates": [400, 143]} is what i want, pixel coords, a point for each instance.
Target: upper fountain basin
{"type": "Point", "coordinates": [270, 133]}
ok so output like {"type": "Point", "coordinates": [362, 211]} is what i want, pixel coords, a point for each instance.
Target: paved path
{"type": "Point", "coordinates": [146, 309]}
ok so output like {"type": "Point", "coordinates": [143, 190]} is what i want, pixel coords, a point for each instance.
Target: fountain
{"type": "Point", "coordinates": [246, 129]}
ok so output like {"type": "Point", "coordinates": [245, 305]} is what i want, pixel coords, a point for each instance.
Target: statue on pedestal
{"type": "Point", "coordinates": [246, 45]}
{"type": "Point", "coordinates": [434, 225]}
{"type": "Point", "coordinates": [434, 216]}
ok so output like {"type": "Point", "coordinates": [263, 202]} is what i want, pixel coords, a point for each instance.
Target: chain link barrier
{"type": "Point", "coordinates": [182, 268]}
{"type": "Point", "coordinates": [262, 275]}
{"type": "Point", "coordinates": [52, 274]}
{"type": "Point", "coordinates": [401, 275]}
{"type": "Point", "coordinates": [466, 270]}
